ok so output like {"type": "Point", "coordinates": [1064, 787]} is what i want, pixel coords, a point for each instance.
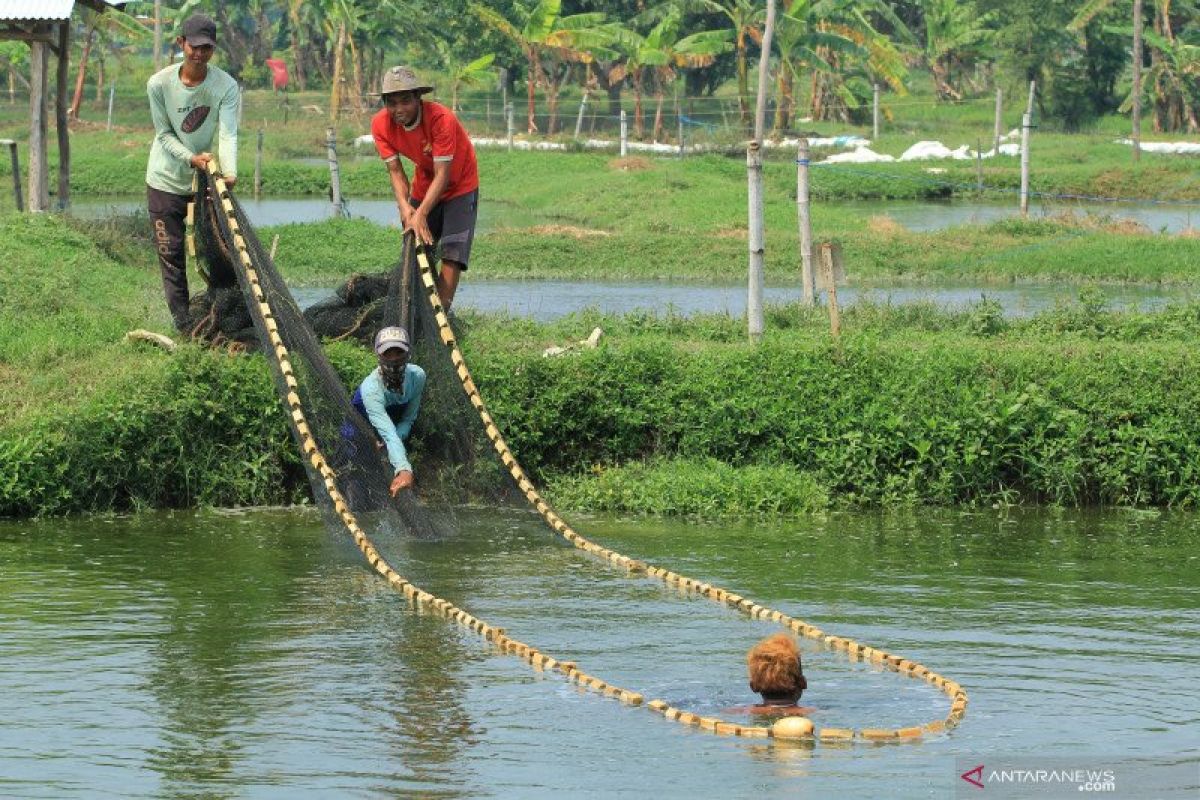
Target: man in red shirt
{"type": "Point", "coordinates": [441, 203]}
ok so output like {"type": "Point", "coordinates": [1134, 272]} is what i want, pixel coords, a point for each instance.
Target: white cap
{"type": "Point", "coordinates": [390, 337]}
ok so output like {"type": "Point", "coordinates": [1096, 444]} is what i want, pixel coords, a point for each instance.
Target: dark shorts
{"type": "Point", "coordinates": [452, 223]}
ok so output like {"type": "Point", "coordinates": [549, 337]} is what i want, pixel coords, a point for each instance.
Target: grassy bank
{"type": "Point", "coordinates": [1077, 406]}
{"type": "Point", "coordinates": [877, 252]}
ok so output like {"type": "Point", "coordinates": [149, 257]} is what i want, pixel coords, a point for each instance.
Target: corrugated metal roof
{"type": "Point", "coordinates": [44, 9]}
{"type": "Point", "coordinates": [36, 9]}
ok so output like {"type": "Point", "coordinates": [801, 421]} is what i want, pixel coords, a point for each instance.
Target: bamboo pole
{"type": "Point", "coordinates": [875, 115]}
{"type": "Point", "coordinates": [754, 307]}
{"type": "Point", "coordinates": [764, 63]}
{"type": "Point", "coordinates": [258, 156]}
{"type": "Point", "coordinates": [997, 132]}
{"type": "Point", "coordinates": [1026, 126]}
{"type": "Point", "coordinates": [579, 118]}
{"type": "Point", "coordinates": [1137, 81]}
{"type": "Point", "coordinates": [335, 180]}
{"type": "Point", "coordinates": [158, 37]}
{"type": "Point", "coordinates": [807, 279]}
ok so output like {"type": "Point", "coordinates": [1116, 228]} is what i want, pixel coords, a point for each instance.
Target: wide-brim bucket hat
{"type": "Point", "coordinates": [402, 79]}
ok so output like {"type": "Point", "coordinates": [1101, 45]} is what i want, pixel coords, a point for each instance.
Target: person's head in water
{"type": "Point", "coordinates": [392, 347]}
{"type": "Point", "coordinates": [775, 670]}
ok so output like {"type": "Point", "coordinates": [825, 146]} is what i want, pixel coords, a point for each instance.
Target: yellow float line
{"type": "Point", "coordinates": [539, 660]}
{"type": "Point", "coordinates": [855, 650]}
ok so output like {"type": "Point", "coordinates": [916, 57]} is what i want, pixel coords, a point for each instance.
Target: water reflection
{"type": "Point", "coordinates": [254, 654]}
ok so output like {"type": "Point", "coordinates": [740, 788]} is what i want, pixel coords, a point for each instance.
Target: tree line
{"type": "Point", "coordinates": [827, 55]}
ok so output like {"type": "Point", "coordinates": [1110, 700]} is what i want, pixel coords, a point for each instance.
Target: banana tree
{"type": "Point", "coordinates": [745, 17]}
{"type": "Point", "coordinates": [844, 83]}
{"type": "Point", "coordinates": [1173, 81]}
{"type": "Point", "coordinates": [954, 32]}
{"type": "Point", "coordinates": [799, 40]}
{"type": "Point", "coordinates": [540, 30]}
{"type": "Point", "coordinates": [662, 52]}
{"type": "Point", "coordinates": [470, 74]}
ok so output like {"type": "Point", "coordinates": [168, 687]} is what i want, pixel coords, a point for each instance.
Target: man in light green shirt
{"type": "Point", "coordinates": [191, 105]}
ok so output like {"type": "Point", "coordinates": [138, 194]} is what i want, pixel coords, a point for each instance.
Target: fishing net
{"type": "Point", "coordinates": [448, 450]}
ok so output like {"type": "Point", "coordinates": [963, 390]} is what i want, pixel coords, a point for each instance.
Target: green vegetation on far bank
{"type": "Point", "coordinates": [1078, 406]}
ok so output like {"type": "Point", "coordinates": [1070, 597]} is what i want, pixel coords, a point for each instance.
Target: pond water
{"type": "Point", "coordinates": [545, 300]}
{"type": "Point", "coordinates": [915, 215]}
{"type": "Point", "coordinates": [254, 654]}
{"type": "Point", "coordinates": [933, 215]}
{"type": "Point", "coordinates": [282, 211]}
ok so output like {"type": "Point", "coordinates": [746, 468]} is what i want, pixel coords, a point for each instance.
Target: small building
{"type": "Point", "coordinates": [46, 26]}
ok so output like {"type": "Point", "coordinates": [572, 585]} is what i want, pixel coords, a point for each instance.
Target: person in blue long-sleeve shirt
{"type": "Point", "coordinates": [390, 398]}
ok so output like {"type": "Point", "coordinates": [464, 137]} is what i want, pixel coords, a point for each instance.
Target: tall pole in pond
{"type": "Point", "coordinates": [335, 181]}
{"type": "Point", "coordinates": [807, 277]}
{"type": "Point", "coordinates": [754, 177]}
{"type": "Point", "coordinates": [875, 115]}
{"type": "Point", "coordinates": [754, 297]}
{"type": "Point", "coordinates": [1137, 80]}
{"type": "Point", "coordinates": [1026, 125]}
{"type": "Point", "coordinates": [996, 129]}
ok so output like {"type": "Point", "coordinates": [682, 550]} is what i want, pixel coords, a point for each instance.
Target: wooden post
{"type": "Point", "coordinates": [16, 172]}
{"type": "Point", "coordinates": [679, 121]}
{"type": "Point", "coordinates": [39, 180]}
{"type": "Point", "coordinates": [997, 132]}
{"type": "Point", "coordinates": [335, 181]}
{"type": "Point", "coordinates": [1026, 125]}
{"type": "Point", "coordinates": [258, 166]}
{"type": "Point", "coordinates": [579, 118]}
{"type": "Point", "coordinates": [1137, 81]}
{"type": "Point", "coordinates": [508, 113]}
{"type": "Point", "coordinates": [805, 223]}
{"type": "Point", "coordinates": [624, 134]}
{"type": "Point", "coordinates": [875, 115]}
{"type": "Point", "coordinates": [754, 300]}
{"type": "Point", "coordinates": [60, 116]}
{"type": "Point", "coordinates": [832, 273]}
{"type": "Point", "coordinates": [112, 90]}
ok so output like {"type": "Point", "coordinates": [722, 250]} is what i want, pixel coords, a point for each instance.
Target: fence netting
{"type": "Point", "coordinates": [449, 450]}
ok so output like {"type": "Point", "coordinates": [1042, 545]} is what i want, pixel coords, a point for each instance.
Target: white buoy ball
{"type": "Point", "coordinates": [792, 728]}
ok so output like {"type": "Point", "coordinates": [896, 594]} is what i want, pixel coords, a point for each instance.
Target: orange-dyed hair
{"type": "Point", "coordinates": [775, 665]}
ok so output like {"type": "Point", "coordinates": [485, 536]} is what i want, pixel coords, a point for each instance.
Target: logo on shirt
{"type": "Point", "coordinates": [195, 118]}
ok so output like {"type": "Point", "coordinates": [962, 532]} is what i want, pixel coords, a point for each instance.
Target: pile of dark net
{"type": "Point", "coordinates": [452, 459]}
